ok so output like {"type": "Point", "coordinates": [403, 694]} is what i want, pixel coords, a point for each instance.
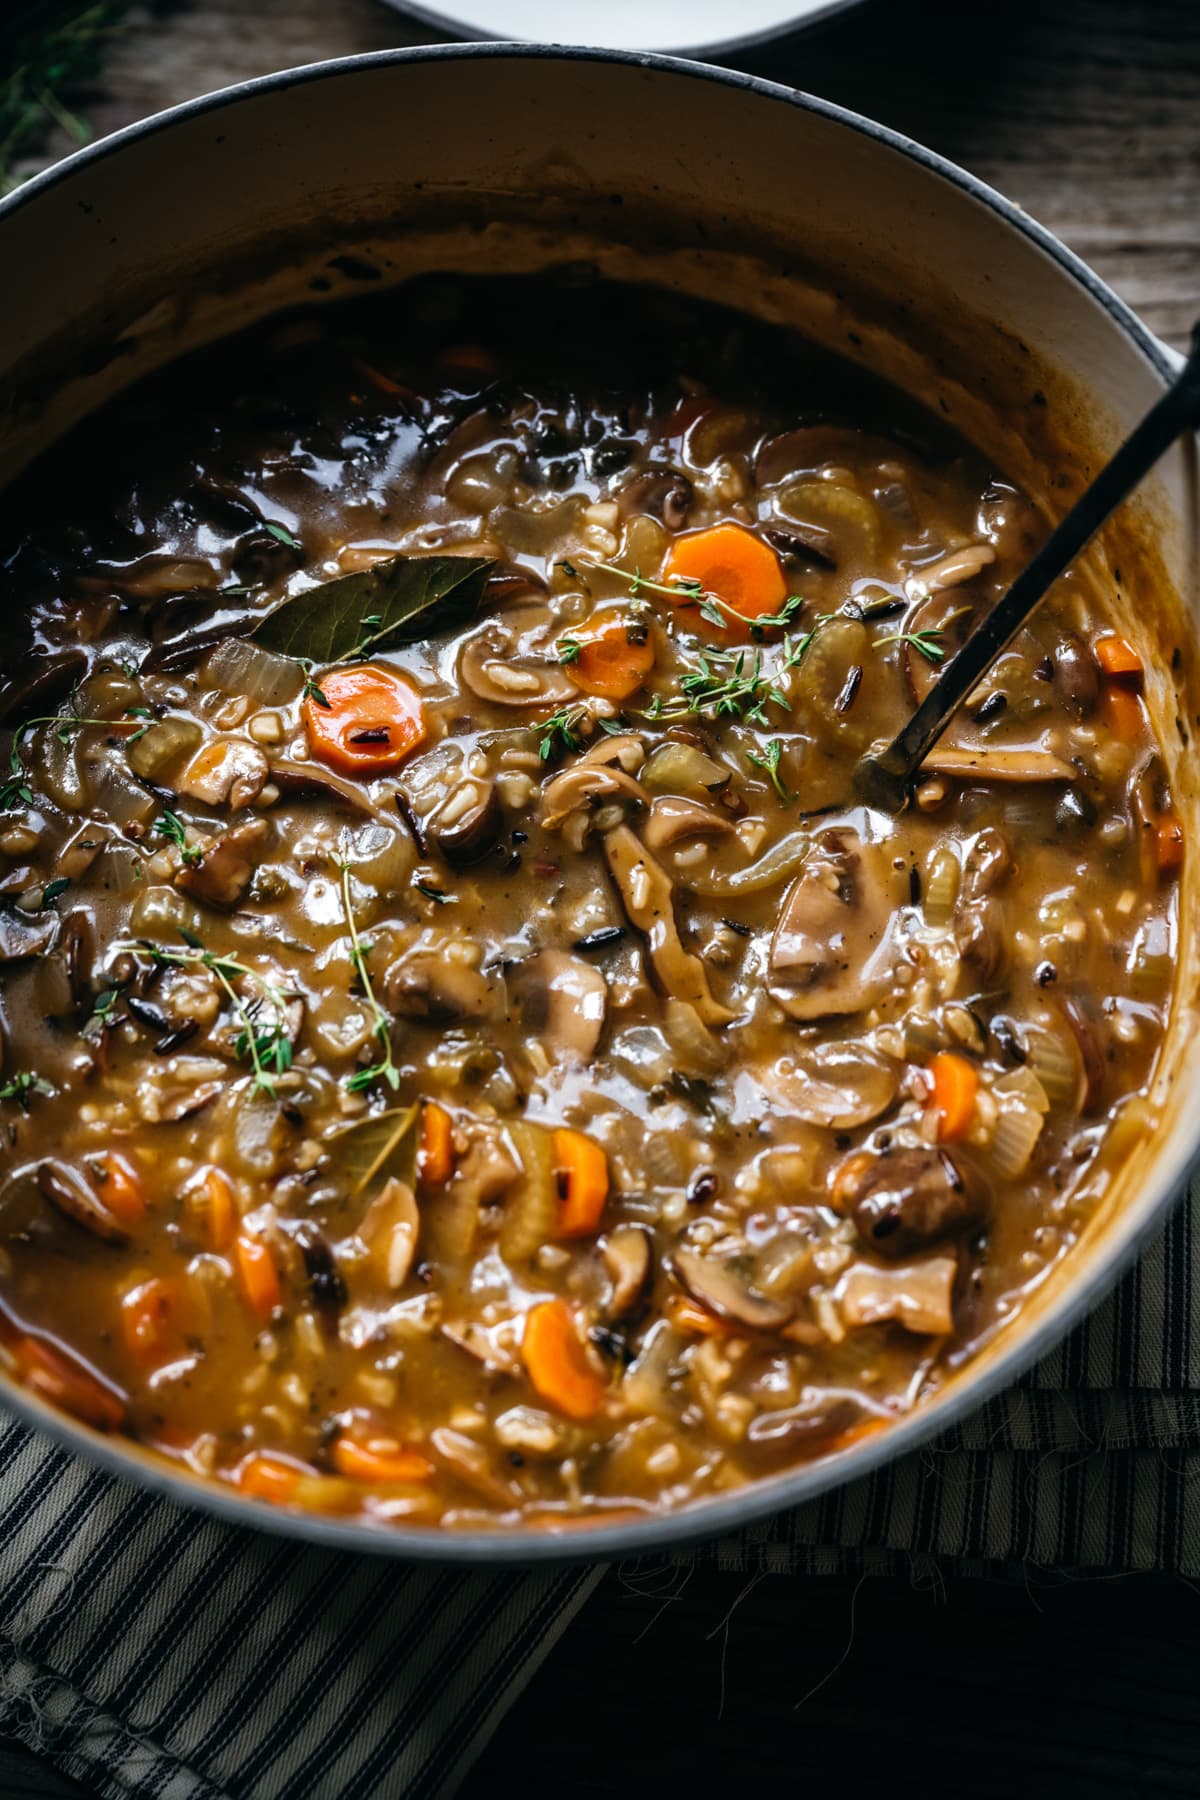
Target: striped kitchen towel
{"type": "Point", "coordinates": [148, 1650]}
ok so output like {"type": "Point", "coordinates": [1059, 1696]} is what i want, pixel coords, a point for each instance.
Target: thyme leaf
{"type": "Point", "coordinates": [768, 760]}
{"type": "Point", "coordinates": [170, 826]}
{"type": "Point", "coordinates": [263, 1037]}
{"type": "Point", "coordinates": [384, 1068]}
{"type": "Point", "coordinates": [927, 642]}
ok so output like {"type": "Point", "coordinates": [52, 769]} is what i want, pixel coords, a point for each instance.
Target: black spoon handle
{"type": "Point", "coordinates": [883, 780]}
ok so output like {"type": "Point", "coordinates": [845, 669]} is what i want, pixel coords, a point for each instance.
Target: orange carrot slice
{"type": "Point", "coordinates": [373, 719]}
{"type": "Point", "coordinates": [258, 1275]}
{"type": "Point", "coordinates": [1122, 712]}
{"type": "Point", "coordinates": [615, 658]}
{"type": "Point", "coordinates": [220, 1208]}
{"type": "Point", "coordinates": [379, 1459]}
{"type": "Point", "coordinates": [148, 1322]}
{"type": "Point", "coordinates": [582, 1170]}
{"type": "Point", "coordinates": [435, 1153]}
{"type": "Point", "coordinates": [1117, 656]}
{"type": "Point", "coordinates": [732, 563]}
{"type": "Point", "coordinates": [557, 1361]}
{"type": "Point", "coordinates": [1168, 844]}
{"type": "Point", "coordinates": [955, 1085]}
{"type": "Point", "coordinates": [119, 1186]}
{"type": "Point", "coordinates": [268, 1476]}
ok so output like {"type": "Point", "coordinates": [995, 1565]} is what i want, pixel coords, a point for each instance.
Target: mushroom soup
{"type": "Point", "coordinates": [466, 1055]}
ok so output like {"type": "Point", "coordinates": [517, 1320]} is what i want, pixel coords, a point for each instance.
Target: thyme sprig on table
{"type": "Point", "coordinates": [384, 1069]}
{"type": "Point", "coordinates": [263, 1037]}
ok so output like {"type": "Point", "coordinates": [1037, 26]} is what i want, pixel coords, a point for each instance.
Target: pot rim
{"type": "Point", "coordinates": [759, 1500]}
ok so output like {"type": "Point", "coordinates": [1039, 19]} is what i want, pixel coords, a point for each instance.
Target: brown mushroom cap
{"type": "Point", "coordinates": [714, 1285]}
{"type": "Point", "coordinates": [832, 946]}
{"type": "Point", "coordinates": [466, 825]}
{"type": "Point", "coordinates": [673, 817]}
{"type": "Point", "coordinates": [905, 1199]}
{"type": "Point", "coordinates": [840, 1087]}
{"type": "Point", "coordinates": [71, 1193]}
{"type": "Point", "coordinates": [562, 1001]}
{"type": "Point", "coordinates": [512, 661]}
{"type": "Point", "coordinates": [628, 1255]}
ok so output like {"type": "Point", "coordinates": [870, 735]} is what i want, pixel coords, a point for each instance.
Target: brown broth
{"type": "Point", "coordinates": [839, 1149]}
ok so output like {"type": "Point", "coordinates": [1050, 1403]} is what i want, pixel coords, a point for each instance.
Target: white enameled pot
{"type": "Point", "coordinates": [316, 181]}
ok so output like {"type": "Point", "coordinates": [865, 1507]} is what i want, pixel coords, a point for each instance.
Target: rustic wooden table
{"type": "Point", "coordinates": [1087, 112]}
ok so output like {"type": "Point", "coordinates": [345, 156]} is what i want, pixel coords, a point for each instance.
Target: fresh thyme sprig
{"type": "Point", "coordinates": [170, 826]}
{"type": "Point", "coordinates": [265, 1042]}
{"type": "Point", "coordinates": [927, 642]}
{"type": "Point", "coordinates": [17, 791]}
{"type": "Point", "coordinates": [728, 685]}
{"type": "Point", "coordinates": [768, 761]}
{"type": "Point", "coordinates": [690, 591]}
{"type": "Point", "coordinates": [560, 732]}
{"type": "Point", "coordinates": [385, 1068]}
{"type": "Point", "coordinates": [568, 649]}
{"type": "Point", "coordinates": [22, 1086]}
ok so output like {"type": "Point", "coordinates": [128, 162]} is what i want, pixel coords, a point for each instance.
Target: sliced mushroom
{"type": "Point", "coordinates": [226, 867]}
{"type": "Point", "coordinates": [1091, 1038]}
{"type": "Point", "coordinates": [473, 1464]}
{"type": "Point", "coordinates": [25, 934]}
{"type": "Point", "coordinates": [840, 1087]}
{"type": "Point", "coordinates": [512, 662]}
{"type": "Point", "coordinates": [662, 493]}
{"type": "Point", "coordinates": [818, 1417]}
{"type": "Point", "coordinates": [1076, 676]}
{"type": "Point", "coordinates": [714, 1284]}
{"type": "Point", "coordinates": [467, 824]}
{"type": "Point", "coordinates": [905, 1199]}
{"type": "Point", "coordinates": [647, 894]}
{"type": "Point", "coordinates": [72, 1194]}
{"type": "Point", "coordinates": [953, 569]}
{"type": "Point", "coordinates": [497, 1347]}
{"type": "Point", "coordinates": [582, 784]}
{"type": "Point", "coordinates": [950, 617]}
{"type": "Point", "coordinates": [804, 543]}
{"type": "Point", "coordinates": [832, 946]}
{"type": "Point", "coordinates": [997, 765]}
{"type": "Point", "coordinates": [426, 983]}
{"type": "Point", "coordinates": [987, 864]}
{"type": "Point", "coordinates": [40, 679]}
{"type": "Point", "coordinates": [809, 448]}
{"type": "Point", "coordinates": [186, 1102]}
{"type": "Point", "coordinates": [562, 1002]}
{"type": "Point", "coordinates": [981, 933]}
{"type": "Point", "coordinates": [917, 1295]}
{"type": "Point", "coordinates": [628, 1256]}
{"type": "Point", "coordinates": [225, 771]}
{"type": "Point", "coordinates": [390, 1229]}
{"type": "Point", "coordinates": [301, 778]}
{"type": "Point", "coordinates": [615, 750]}
{"type": "Point", "coordinates": [672, 817]}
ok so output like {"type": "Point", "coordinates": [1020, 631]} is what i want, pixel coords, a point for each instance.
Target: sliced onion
{"type": "Point", "coordinates": [675, 768]}
{"type": "Point", "coordinates": [161, 745]}
{"type": "Point", "coordinates": [1015, 1139]}
{"type": "Point", "coordinates": [114, 790]}
{"type": "Point", "coordinates": [238, 666]}
{"type": "Point", "coordinates": [158, 909]}
{"type": "Point", "coordinates": [697, 1051]}
{"type": "Point", "coordinates": [778, 864]}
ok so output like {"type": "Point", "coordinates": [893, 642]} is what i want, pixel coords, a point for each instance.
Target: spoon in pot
{"type": "Point", "coordinates": [884, 780]}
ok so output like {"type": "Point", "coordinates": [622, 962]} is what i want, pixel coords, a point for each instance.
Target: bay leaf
{"type": "Point", "coordinates": [372, 1150]}
{"type": "Point", "coordinates": [400, 601]}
